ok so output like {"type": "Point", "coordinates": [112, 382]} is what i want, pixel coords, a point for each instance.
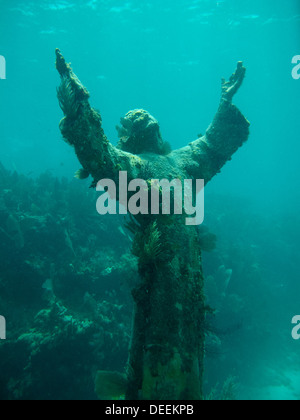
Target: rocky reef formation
{"type": "Point", "coordinates": [64, 289]}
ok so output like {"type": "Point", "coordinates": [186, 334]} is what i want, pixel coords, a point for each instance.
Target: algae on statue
{"type": "Point", "coordinates": [167, 344]}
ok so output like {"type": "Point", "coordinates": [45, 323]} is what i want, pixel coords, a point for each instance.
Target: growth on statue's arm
{"type": "Point", "coordinates": [229, 130]}
{"type": "Point", "coordinates": [82, 128]}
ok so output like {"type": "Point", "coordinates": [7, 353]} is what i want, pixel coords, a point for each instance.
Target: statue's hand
{"type": "Point", "coordinates": [229, 89]}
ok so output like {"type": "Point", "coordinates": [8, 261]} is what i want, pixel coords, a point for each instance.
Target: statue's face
{"type": "Point", "coordinates": [140, 133]}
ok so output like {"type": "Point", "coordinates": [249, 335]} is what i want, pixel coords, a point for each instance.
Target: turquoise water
{"type": "Point", "coordinates": [167, 57]}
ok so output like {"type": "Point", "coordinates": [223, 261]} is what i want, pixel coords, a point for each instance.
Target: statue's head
{"type": "Point", "coordinates": [140, 133]}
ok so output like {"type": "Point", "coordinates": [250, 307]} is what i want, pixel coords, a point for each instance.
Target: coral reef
{"type": "Point", "coordinates": [63, 289]}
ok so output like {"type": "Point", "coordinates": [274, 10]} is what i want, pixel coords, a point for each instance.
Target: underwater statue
{"type": "Point", "coordinates": [166, 352]}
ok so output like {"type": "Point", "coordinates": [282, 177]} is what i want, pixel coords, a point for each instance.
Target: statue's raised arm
{"type": "Point", "coordinates": [82, 128]}
{"type": "Point", "coordinates": [229, 130]}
